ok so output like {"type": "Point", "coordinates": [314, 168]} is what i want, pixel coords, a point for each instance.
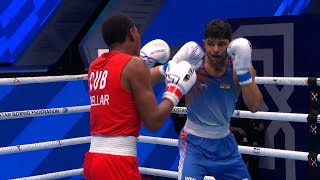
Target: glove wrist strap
{"type": "Point", "coordinates": [173, 93]}
{"type": "Point", "coordinates": [244, 77]}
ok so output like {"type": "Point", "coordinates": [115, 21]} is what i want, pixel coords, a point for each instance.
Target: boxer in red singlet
{"type": "Point", "coordinates": [121, 97]}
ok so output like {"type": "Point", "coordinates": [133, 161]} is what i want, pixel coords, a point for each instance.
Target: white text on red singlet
{"type": "Point", "coordinates": [98, 80]}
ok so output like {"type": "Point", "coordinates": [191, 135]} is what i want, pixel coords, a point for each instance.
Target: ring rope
{"type": "Point", "coordinates": [41, 79]}
{"type": "Point", "coordinates": [276, 116]}
{"type": "Point", "coordinates": [278, 153]}
{"type": "Point", "coordinates": [286, 81]}
{"type": "Point", "coordinates": [43, 112]}
{"type": "Point", "coordinates": [55, 175]}
{"type": "Point", "coordinates": [165, 173]}
{"type": "Point", "coordinates": [75, 172]}
{"type": "Point", "coordinates": [44, 145]}
{"type": "Point", "coordinates": [158, 172]}
{"type": "Point", "coordinates": [290, 81]}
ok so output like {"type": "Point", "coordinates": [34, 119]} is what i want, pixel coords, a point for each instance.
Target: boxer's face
{"type": "Point", "coordinates": [216, 50]}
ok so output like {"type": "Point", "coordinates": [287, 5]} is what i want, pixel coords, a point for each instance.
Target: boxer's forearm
{"type": "Point", "coordinates": [251, 94]}
{"type": "Point", "coordinates": [156, 76]}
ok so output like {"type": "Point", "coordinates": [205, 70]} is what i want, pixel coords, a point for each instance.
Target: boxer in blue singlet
{"type": "Point", "coordinates": [207, 148]}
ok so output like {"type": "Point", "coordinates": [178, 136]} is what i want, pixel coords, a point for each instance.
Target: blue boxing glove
{"type": "Point", "coordinates": [241, 49]}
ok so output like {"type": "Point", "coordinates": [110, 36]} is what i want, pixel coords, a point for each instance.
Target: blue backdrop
{"type": "Point", "coordinates": [20, 21]}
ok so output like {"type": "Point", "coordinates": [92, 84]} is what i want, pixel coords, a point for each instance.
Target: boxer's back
{"type": "Point", "coordinates": [113, 110]}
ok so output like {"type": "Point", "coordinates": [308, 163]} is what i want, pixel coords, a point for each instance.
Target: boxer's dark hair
{"type": "Point", "coordinates": [219, 29]}
{"type": "Point", "coordinates": [115, 29]}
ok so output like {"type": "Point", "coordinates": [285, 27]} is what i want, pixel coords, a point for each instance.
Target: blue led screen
{"type": "Point", "coordinates": [20, 21]}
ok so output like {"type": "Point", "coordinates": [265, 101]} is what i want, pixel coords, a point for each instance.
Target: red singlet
{"type": "Point", "coordinates": [113, 114]}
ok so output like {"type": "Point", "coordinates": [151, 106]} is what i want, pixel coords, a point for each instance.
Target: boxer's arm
{"type": "Point", "coordinates": [155, 52]}
{"type": "Point", "coordinates": [190, 52]}
{"type": "Point", "coordinates": [139, 78]}
{"type": "Point", "coordinates": [251, 94]}
{"type": "Point", "coordinates": [241, 50]}
{"type": "Point", "coordinates": [156, 76]}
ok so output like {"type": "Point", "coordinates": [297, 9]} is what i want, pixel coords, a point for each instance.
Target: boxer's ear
{"type": "Point", "coordinates": [131, 34]}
